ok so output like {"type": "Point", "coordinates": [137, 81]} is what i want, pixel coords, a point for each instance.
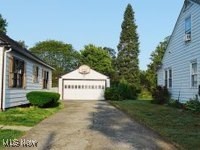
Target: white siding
{"type": "Point", "coordinates": [1, 64]}
{"type": "Point", "coordinates": [179, 55]}
{"type": "Point", "coordinates": [17, 96]}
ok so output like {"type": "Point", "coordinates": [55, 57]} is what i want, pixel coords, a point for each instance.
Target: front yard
{"type": "Point", "coordinates": [180, 127]}
{"type": "Point", "coordinates": [23, 116]}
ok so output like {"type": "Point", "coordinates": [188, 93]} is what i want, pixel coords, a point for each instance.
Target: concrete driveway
{"type": "Point", "coordinates": [93, 125]}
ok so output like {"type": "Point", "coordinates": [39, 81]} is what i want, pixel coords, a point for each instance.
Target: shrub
{"type": "Point", "coordinates": [112, 94]}
{"type": "Point", "coordinates": [193, 105]}
{"type": "Point", "coordinates": [43, 99]}
{"type": "Point", "coordinates": [126, 90]}
{"type": "Point", "coordinates": [176, 104]}
{"type": "Point", "coordinates": [160, 95]}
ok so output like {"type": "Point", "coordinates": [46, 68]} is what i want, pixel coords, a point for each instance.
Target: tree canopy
{"type": "Point", "coordinates": [59, 55]}
{"type": "Point", "coordinates": [97, 58]}
{"type": "Point", "coordinates": [156, 60]}
{"type": "Point", "coordinates": [128, 50]}
{"type": "Point", "coordinates": [3, 24]}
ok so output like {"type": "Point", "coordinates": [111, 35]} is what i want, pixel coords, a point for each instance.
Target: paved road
{"type": "Point", "coordinates": [93, 125]}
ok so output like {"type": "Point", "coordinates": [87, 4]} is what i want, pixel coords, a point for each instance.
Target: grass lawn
{"type": "Point", "coordinates": [26, 116]}
{"type": "Point", "coordinates": [178, 126]}
{"type": "Point", "coordinates": [9, 134]}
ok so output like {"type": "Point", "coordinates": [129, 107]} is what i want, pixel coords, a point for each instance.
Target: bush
{"type": "Point", "coordinates": [126, 90]}
{"type": "Point", "coordinates": [193, 105]}
{"type": "Point", "coordinates": [43, 99]}
{"type": "Point", "coordinates": [112, 94]}
{"type": "Point", "coordinates": [160, 95]}
{"type": "Point", "coordinates": [176, 104]}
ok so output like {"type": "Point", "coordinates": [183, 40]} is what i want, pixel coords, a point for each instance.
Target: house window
{"type": "Point", "coordinates": [170, 78]}
{"type": "Point", "coordinates": [188, 29]}
{"type": "Point", "coordinates": [194, 75]}
{"type": "Point", "coordinates": [166, 78]}
{"type": "Point", "coordinates": [45, 79]}
{"type": "Point", "coordinates": [17, 68]}
{"type": "Point", "coordinates": [35, 74]}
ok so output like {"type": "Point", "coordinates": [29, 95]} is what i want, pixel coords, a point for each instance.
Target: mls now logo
{"type": "Point", "coordinates": [18, 143]}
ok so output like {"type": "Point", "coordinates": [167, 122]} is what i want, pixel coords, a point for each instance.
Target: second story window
{"type": "Point", "coordinates": [188, 29]}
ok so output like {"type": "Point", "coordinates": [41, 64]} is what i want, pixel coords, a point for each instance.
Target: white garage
{"type": "Point", "coordinates": [83, 84]}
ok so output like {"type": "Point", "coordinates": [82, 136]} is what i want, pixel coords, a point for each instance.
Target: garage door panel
{"type": "Point", "coordinates": [83, 90]}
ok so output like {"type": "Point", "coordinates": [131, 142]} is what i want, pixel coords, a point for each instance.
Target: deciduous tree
{"type": "Point", "coordinates": [59, 55]}
{"type": "Point", "coordinates": [156, 60]}
{"type": "Point", "coordinates": [97, 58]}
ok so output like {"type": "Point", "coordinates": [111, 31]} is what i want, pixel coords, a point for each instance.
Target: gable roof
{"type": "Point", "coordinates": [7, 41]}
{"type": "Point", "coordinates": [170, 37]}
{"type": "Point", "coordinates": [91, 75]}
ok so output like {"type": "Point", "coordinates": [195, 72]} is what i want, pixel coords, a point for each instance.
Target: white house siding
{"type": "Point", "coordinates": [179, 56]}
{"type": "Point", "coordinates": [1, 63]}
{"type": "Point", "coordinates": [17, 96]}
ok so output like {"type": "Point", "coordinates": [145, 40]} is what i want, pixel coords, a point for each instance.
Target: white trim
{"type": "Point", "coordinates": [4, 82]}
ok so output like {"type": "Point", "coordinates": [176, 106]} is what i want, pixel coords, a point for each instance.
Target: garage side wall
{"type": "Point", "coordinates": [60, 87]}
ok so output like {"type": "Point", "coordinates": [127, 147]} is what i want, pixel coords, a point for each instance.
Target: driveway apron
{"type": "Point", "coordinates": [93, 125]}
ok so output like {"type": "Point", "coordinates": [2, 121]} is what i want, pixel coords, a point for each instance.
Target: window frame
{"type": "Point", "coordinates": [170, 78]}
{"type": "Point", "coordinates": [18, 78]}
{"type": "Point", "coordinates": [45, 79]}
{"type": "Point", "coordinates": [193, 74]}
{"type": "Point", "coordinates": [36, 70]}
{"type": "Point", "coordinates": [189, 30]}
{"type": "Point", "coordinates": [165, 78]}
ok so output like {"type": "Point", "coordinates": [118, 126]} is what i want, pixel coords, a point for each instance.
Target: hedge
{"type": "Point", "coordinates": [42, 99]}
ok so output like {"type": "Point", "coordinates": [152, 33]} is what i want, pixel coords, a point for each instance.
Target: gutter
{"type": "Point", "coordinates": [3, 78]}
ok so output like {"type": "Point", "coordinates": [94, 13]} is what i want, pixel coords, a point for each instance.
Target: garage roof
{"type": "Point", "coordinates": [92, 74]}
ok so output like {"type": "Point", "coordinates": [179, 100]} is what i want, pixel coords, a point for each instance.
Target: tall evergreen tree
{"type": "Point", "coordinates": [3, 24]}
{"type": "Point", "coordinates": [128, 50]}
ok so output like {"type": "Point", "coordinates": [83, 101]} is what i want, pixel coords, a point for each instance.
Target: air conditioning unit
{"type": "Point", "coordinates": [187, 37]}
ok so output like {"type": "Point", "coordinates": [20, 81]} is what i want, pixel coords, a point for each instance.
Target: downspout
{"type": "Point", "coordinates": [4, 77]}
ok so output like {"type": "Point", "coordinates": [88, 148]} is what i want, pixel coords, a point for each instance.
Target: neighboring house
{"type": "Point", "coordinates": [83, 84]}
{"type": "Point", "coordinates": [20, 73]}
{"type": "Point", "coordinates": [180, 68]}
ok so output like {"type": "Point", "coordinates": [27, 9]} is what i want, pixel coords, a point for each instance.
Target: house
{"type": "Point", "coordinates": [83, 84]}
{"type": "Point", "coordinates": [180, 68]}
{"type": "Point", "coordinates": [20, 73]}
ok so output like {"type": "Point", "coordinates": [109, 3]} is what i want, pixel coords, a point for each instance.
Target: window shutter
{"type": "Point", "coordinates": [11, 72]}
{"type": "Point", "coordinates": [24, 76]}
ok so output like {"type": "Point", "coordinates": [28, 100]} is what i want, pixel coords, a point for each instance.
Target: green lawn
{"type": "Point", "coordinates": [9, 134]}
{"type": "Point", "coordinates": [27, 116]}
{"type": "Point", "coordinates": [178, 126]}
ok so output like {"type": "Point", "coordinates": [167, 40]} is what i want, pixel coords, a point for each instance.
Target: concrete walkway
{"type": "Point", "coordinates": [93, 125]}
{"type": "Point", "coordinates": [20, 128]}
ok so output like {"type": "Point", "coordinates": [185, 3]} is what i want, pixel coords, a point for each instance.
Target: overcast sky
{"type": "Point", "coordinates": [80, 22]}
